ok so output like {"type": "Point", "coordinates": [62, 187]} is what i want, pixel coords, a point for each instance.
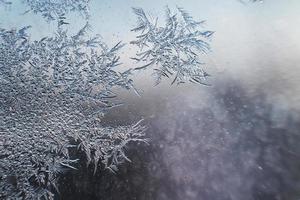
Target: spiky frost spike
{"type": "Point", "coordinates": [53, 94]}
{"type": "Point", "coordinates": [172, 50]}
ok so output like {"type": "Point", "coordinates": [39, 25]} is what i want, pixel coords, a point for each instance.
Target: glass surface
{"type": "Point", "coordinates": [150, 100]}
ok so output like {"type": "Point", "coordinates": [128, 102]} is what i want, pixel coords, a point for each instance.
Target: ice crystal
{"type": "Point", "coordinates": [53, 9]}
{"type": "Point", "coordinates": [53, 94]}
{"type": "Point", "coordinates": [55, 91]}
{"type": "Point", "coordinates": [173, 50]}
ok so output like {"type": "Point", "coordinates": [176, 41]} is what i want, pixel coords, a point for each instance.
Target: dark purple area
{"type": "Point", "coordinates": [233, 147]}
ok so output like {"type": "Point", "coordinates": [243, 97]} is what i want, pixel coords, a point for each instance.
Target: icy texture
{"type": "Point", "coordinates": [53, 94]}
{"type": "Point", "coordinates": [174, 49]}
{"type": "Point", "coordinates": [252, 1]}
{"type": "Point", "coordinates": [52, 9]}
{"type": "Point", "coordinates": [5, 2]}
{"type": "Point", "coordinates": [55, 91]}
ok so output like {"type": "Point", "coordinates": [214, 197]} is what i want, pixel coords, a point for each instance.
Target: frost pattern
{"type": "Point", "coordinates": [53, 94]}
{"type": "Point", "coordinates": [172, 50]}
{"type": "Point", "coordinates": [53, 9]}
{"type": "Point", "coordinates": [55, 91]}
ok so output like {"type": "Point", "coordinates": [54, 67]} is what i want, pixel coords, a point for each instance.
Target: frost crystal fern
{"type": "Point", "coordinates": [172, 49]}
{"type": "Point", "coordinates": [53, 94]}
{"type": "Point", "coordinates": [52, 9]}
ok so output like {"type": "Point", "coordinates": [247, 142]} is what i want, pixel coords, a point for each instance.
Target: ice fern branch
{"type": "Point", "coordinates": [53, 9]}
{"type": "Point", "coordinates": [172, 50]}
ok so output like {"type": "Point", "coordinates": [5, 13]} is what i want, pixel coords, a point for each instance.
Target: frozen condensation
{"type": "Point", "coordinates": [172, 50]}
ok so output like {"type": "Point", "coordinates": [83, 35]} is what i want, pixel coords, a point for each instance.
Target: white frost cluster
{"type": "Point", "coordinates": [173, 50]}
{"type": "Point", "coordinates": [52, 9]}
{"type": "Point", "coordinates": [53, 94]}
{"type": "Point", "coordinates": [55, 91]}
